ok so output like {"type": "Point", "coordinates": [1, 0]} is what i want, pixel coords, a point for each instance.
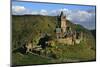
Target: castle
{"type": "Point", "coordinates": [64, 33]}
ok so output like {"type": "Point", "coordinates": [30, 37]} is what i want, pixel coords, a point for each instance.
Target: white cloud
{"type": "Point", "coordinates": [58, 11]}
{"type": "Point", "coordinates": [64, 10]}
{"type": "Point", "coordinates": [35, 13]}
{"type": "Point", "coordinates": [80, 15]}
{"type": "Point", "coordinates": [73, 14]}
{"type": "Point", "coordinates": [53, 12]}
{"type": "Point", "coordinates": [43, 12]}
{"type": "Point", "coordinates": [83, 17]}
{"type": "Point", "coordinates": [18, 9]}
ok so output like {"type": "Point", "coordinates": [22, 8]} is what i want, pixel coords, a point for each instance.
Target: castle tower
{"type": "Point", "coordinates": [63, 22]}
{"type": "Point", "coordinates": [61, 25]}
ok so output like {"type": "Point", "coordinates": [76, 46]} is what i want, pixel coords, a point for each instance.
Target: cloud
{"type": "Point", "coordinates": [21, 10]}
{"type": "Point", "coordinates": [53, 12]}
{"type": "Point", "coordinates": [85, 18]}
{"type": "Point", "coordinates": [43, 12]}
{"type": "Point", "coordinates": [18, 9]}
{"type": "Point", "coordinates": [82, 17]}
{"type": "Point", "coordinates": [58, 11]}
{"type": "Point", "coordinates": [35, 13]}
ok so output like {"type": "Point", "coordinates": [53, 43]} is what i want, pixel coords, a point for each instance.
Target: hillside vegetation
{"type": "Point", "coordinates": [30, 27]}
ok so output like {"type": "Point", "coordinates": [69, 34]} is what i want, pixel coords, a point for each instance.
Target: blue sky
{"type": "Point", "coordinates": [51, 6]}
{"type": "Point", "coordinates": [79, 14]}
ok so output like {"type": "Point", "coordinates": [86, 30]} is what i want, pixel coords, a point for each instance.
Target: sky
{"type": "Point", "coordinates": [78, 14]}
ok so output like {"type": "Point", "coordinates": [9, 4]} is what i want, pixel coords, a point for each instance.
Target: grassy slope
{"type": "Point", "coordinates": [28, 59]}
{"type": "Point", "coordinates": [29, 27]}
